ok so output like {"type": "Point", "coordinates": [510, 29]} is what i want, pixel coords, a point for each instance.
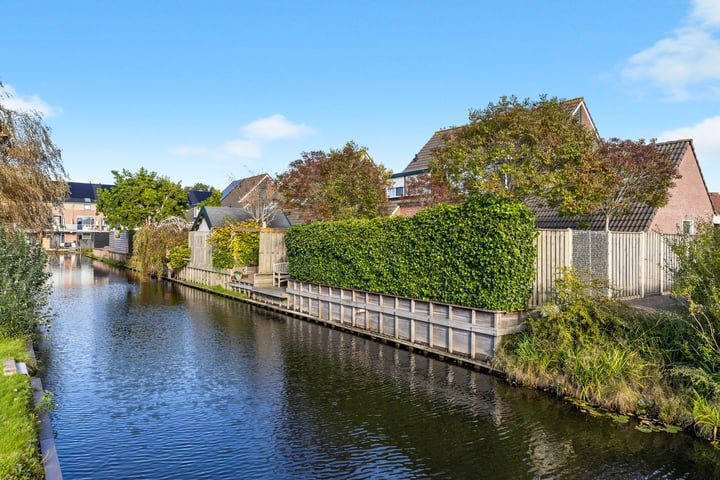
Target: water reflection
{"type": "Point", "coordinates": [161, 381]}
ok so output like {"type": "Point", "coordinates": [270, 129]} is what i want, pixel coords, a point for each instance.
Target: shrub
{"type": "Point", "coordinates": [179, 256]}
{"type": "Point", "coordinates": [24, 288]}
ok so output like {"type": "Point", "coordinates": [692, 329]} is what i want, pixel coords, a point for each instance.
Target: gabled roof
{"type": "Point", "coordinates": [80, 191]}
{"type": "Point", "coordinates": [230, 188]}
{"type": "Point", "coordinates": [576, 107]}
{"type": "Point", "coordinates": [639, 220]}
{"type": "Point", "coordinates": [244, 186]}
{"type": "Point", "coordinates": [197, 196]}
{"type": "Point", "coordinates": [219, 216]}
{"type": "Point", "coordinates": [421, 161]}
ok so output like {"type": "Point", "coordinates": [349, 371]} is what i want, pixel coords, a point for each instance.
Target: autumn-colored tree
{"type": "Point", "coordinates": [623, 175]}
{"type": "Point", "coordinates": [141, 198]}
{"type": "Point", "coordinates": [517, 149]}
{"type": "Point", "coordinates": [32, 176]}
{"type": "Point", "coordinates": [426, 190]}
{"type": "Point", "coordinates": [338, 185]}
{"type": "Point", "coordinates": [536, 151]}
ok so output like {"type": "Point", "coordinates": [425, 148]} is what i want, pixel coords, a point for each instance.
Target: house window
{"type": "Point", "coordinates": [87, 206]}
{"type": "Point", "coordinates": [688, 227]}
{"type": "Point", "coordinates": [85, 223]}
{"type": "Point", "coordinates": [395, 192]}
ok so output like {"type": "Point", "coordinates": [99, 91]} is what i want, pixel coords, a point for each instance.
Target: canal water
{"type": "Point", "coordinates": [159, 381]}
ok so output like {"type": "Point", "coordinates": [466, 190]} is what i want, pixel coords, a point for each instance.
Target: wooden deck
{"type": "Point", "coordinates": [276, 296]}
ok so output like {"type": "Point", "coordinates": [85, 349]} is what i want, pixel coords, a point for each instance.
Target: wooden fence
{"type": "Point", "coordinates": [633, 264]}
{"type": "Point", "coordinates": [272, 249]}
{"type": "Point", "coordinates": [200, 269]}
{"type": "Point", "coordinates": [463, 332]}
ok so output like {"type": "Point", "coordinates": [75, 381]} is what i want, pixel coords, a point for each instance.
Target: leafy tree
{"type": "Point", "coordinates": [426, 190]}
{"type": "Point", "coordinates": [200, 187]}
{"type": "Point", "coordinates": [516, 149]}
{"type": "Point", "coordinates": [32, 177]}
{"type": "Point", "coordinates": [622, 175]}
{"type": "Point", "coordinates": [341, 184]}
{"type": "Point", "coordinates": [141, 198]}
{"type": "Point", "coordinates": [535, 150]}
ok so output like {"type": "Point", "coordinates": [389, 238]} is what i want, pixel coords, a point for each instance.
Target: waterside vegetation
{"type": "Point", "coordinates": [663, 367]}
{"type": "Point", "coordinates": [24, 292]}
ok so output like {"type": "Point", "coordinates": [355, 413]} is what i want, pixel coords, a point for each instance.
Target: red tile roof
{"type": "Point", "coordinates": [715, 199]}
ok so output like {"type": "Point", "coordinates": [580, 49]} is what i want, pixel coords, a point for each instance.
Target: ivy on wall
{"type": "Point", "coordinates": [235, 245]}
{"type": "Point", "coordinates": [479, 254]}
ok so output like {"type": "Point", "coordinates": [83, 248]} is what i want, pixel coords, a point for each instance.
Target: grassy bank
{"type": "Point", "coordinates": [661, 367]}
{"type": "Point", "coordinates": [24, 310]}
{"type": "Point", "coordinates": [19, 443]}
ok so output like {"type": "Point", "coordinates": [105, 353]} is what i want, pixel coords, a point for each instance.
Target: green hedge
{"type": "Point", "coordinates": [479, 254]}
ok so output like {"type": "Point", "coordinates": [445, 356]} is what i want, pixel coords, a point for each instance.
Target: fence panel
{"type": "Point", "coordinates": [670, 262]}
{"type": "Point", "coordinates": [201, 252]}
{"type": "Point", "coordinates": [554, 251]}
{"type": "Point", "coordinates": [635, 264]}
{"type": "Point", "coordinates": [272, 249]}
{"type": "Point", "coordinates": [626, 260]}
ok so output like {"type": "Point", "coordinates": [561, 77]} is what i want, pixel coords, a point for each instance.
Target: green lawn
{"type": "Point", "coordinates": [19, 444]}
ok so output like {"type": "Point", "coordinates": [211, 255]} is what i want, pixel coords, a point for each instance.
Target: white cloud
{"type": "Point", "coordinates": [687, 64]}
{"type": "Point", "coordinates": [255, 135]}
{"type": "Point", "coordinates": [25, 103]}
{"type": "Point", "coordinates": [706, 12]}
{"type": "Point", "coordinates": [704, 136]}
{"type": "Point", "coordinates": [275, 127]}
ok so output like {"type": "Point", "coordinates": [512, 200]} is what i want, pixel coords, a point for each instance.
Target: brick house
{"type": "Point", "coordinates": [76, 222]}
{"type": "Point", "coordinates": [688, 204]}
{"type": "Point", "coordinates": [689, 200]}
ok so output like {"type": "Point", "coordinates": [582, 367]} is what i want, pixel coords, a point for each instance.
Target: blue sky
{"type": "Point", "coordinates": [217, 90]}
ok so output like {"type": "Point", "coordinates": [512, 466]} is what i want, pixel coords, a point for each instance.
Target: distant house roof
{"type": "Point", "coordinates": [715, 199]}
{"type": "Point", "coordinates": [197, 196]}
{"type": "Point", "coordinates": [219, 216]}
{"type": "Point", "coordinates": [639, 220]}
{"type": "Point", "coordinates": [576, 107]}
{"type": "Point", "coordinates": [80, 191]}
{"type": "Point", "coordinates": [240, 188]}
{"type": "Point", "coordinates": [230, 188]}
{"type": "Point", "coordinates": [421, 162]}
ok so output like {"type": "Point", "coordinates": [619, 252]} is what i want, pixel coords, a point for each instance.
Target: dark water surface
{"type": "Point", "coordinates": [159, 381]}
